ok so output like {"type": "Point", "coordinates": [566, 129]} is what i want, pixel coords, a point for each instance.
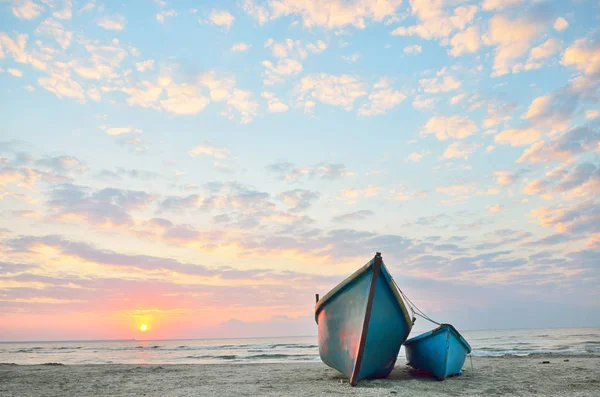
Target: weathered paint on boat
{"type": "Point", "coordinates": [362, 323]}
{"type": "Point", "coordinates": [441, 351]}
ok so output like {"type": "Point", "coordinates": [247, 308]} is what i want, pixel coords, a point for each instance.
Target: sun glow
{"type": "Point", "coordinates": [143, 327]}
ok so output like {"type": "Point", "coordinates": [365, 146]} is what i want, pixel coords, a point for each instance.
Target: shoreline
{"type": "Point", "coordinates": [564, 375]}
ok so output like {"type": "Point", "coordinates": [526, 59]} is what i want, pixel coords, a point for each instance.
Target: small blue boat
{"type": "Point", "coordinates": [441, 351]}
{"type": "Point", "coordinates": [362, 323]}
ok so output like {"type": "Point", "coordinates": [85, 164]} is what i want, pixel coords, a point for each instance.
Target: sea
{"type": "Point", "coordinates": [517, 342]}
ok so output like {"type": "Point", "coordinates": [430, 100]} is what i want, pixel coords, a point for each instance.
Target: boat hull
{"type": "Point", "coordinates": [441, 352]}
{"type": "Point", "coordinates": [362, 323]}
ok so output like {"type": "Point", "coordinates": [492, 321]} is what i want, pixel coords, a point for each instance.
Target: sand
{"type": "Point", "coordinates": [514, 376]}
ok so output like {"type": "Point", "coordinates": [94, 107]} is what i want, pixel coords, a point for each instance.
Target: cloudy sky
{"type": "Point", "coordinates": [206, 171]}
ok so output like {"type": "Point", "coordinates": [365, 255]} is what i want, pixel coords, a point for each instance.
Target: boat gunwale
{"type": "Point", "coordinates": [352, 277]}
{"type": "Point", "coordinates": [340, 286]}
{"type": "Point", "coordinates": [441, 328]}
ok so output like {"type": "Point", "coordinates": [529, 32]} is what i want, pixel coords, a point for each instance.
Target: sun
{"type": "Point", "coordinates": [143, 327]}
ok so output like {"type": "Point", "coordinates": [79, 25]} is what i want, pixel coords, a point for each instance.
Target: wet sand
{"type": "Point", "coordinates": [514, 376]}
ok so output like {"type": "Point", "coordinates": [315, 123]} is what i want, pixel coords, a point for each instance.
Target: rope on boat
{"type": "Point", "coordinates": [416, 311]}
{"type": "Point", "coordinates": [413, 308]}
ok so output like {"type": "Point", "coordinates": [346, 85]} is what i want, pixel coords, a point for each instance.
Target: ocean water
{"type": "Point", "coordinates": [278, 350]}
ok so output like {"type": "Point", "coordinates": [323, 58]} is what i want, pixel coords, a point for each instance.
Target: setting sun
{"type": "Point", "coordinates": [143, 327]}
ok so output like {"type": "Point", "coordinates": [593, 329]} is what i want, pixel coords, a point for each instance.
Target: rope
{"type": "Point", "coordinates": [413, 308]}
{"type": "Point", "coordinates": [428, 319]}
{"type": "Point", "coordinates": [416, 311]}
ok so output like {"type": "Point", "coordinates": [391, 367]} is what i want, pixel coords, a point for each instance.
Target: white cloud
{"type": "Point", "coordinates": [460, 150]}
{"type": "Point", "coordinates": [216, 152]}
{"type": "Point", "coordinates": [444, 127]}
{"type": "Point", "coordinates": [188, 98]}
{"type": "Point", "coordinates": [221, 18]}
{"type": "Point", "coordinates": [548, 48]}
{"type": "Point", "coordinates": [145, 65]}
{"type": "Point", "coordinates": [435, 22]}
{"type": "Point", "coordinates": [498, 113]}
{"type": "Point", "coordinates": [342, 90]}
{"type": "Point", "coordinates": [161, 16]}
{"type": "Point", "coordinates": [561, 24]}
{"type": "Point", "coordinates": [184, 99]}
{"type": "Point", "coordinates": [275, 105]}
{"type": "Point", "coordinates": [275, 73]}
{"type": "Point", "coordinates": [499, 5]}
{"type": "Point", "coordinates": [51, 27]}
{"type": "Point", "coordinates": [467, 41]}
{"type": "Point", "coordinates": [120, 130]}
{"type": "Point", "coordinates": [421, 102]}
{"type": "Point", "coordinates": [15, 72]}
{"type": "Point", "coordinates": [332, 14]}
{"type": "Point", "coordinates": [459, 189]}
{"type": "Point", "coordinates": [38, 58]}
{"type": "Point", "coordinates": [403, 194]}
{"type": "Point", "coordinates": [518, 136]}
{"type": "Point", "coordinates": [457, 98]}
{"type": "Point", "coordinates": [413, 49]}
{"type": "Point", "coordinates": [317, 47]}
{"type": "Point", "coordinates": [62, 85]}
{"type": "Point", "coordinates": [495, 208]}
{"type": "Point", "coordinates": [583, 56]}
{"type": "Point", "coordinates": [241, 101]}
{"type": "Point", "coordinates": [66, 12]}
{"type": "Point", "coordinates": [553, 112]}
{"type": "Point", "coordinates": [592, 114]}
{"type": "Point", "coordinates": [507, 178]}
{"type": "Point", "coordinates": [381, 99]}
{"type": "Point", "coordinates": [94, 94]}
{"type": "Point", "coordinates": [512, 39]}
{"type": "Point", "coordinates": [294, 48]}
{"type": "Point", "coordinates": [88, 7]}
{"type": "Point", "coordinates": [116, 22]}
{"type": "Point", "coordinates": [351, 58]}
{"type": "Point", "coordinates": [261, 14]}
{"type": "Point", "coordinates": [223, 90]}
{"type": "Point", "coordinates": [103, 63]}
{"type": "Point", "coordinates": [439, 84]}
{"type": "Point", "coordinates": [220, 89]}
{"type": "Point", "coordinates": [240, 47]}
{"type": "Point", "coordinates": [414, 156]}
{"type": "Point", "coordinates": [26, 9]}
{"type": "Point", "coordinates": [369, 191]}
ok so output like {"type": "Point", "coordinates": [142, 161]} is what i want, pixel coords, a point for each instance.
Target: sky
{"type": "Point", "coordinates": [205, 168]}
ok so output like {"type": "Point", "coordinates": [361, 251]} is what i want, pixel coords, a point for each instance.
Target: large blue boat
{"type": "Point", "coordinates": [362, 323]}
{"type": "Point", "coordinates": [441, 351]}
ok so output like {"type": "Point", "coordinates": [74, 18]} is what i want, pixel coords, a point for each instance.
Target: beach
{"type": "Point", "coordinates": [564, 375]}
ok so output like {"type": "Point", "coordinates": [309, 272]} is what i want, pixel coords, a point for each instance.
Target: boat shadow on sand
{"type": "Point", "coordinates": [399, 374]}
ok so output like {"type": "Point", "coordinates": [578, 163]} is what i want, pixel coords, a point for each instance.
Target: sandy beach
{"type": "Point", "coordinates": [573, 375]}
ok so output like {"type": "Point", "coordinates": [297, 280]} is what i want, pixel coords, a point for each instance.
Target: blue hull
{"type": "Point", "coordinates": [362, 323]}
{"type": "Point", "coordinates": [441, 351]}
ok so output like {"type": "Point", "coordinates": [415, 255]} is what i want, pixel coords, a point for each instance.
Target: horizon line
{"type": "Point", "coordinates": [256, 337]}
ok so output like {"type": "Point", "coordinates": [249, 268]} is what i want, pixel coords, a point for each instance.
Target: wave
{"type": "Point", "coordinates": [584, 335]}
{"type": "Point", "coordinates": [280, 356]}
{"type": "Point", "coordinates": [294, 346]}
{"type": "Point", "coordinates": [525, 352]}
{"type": "Point", "coordinates": [209, 357]}
{"type": "Point", "coordinates": [254, 346]}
